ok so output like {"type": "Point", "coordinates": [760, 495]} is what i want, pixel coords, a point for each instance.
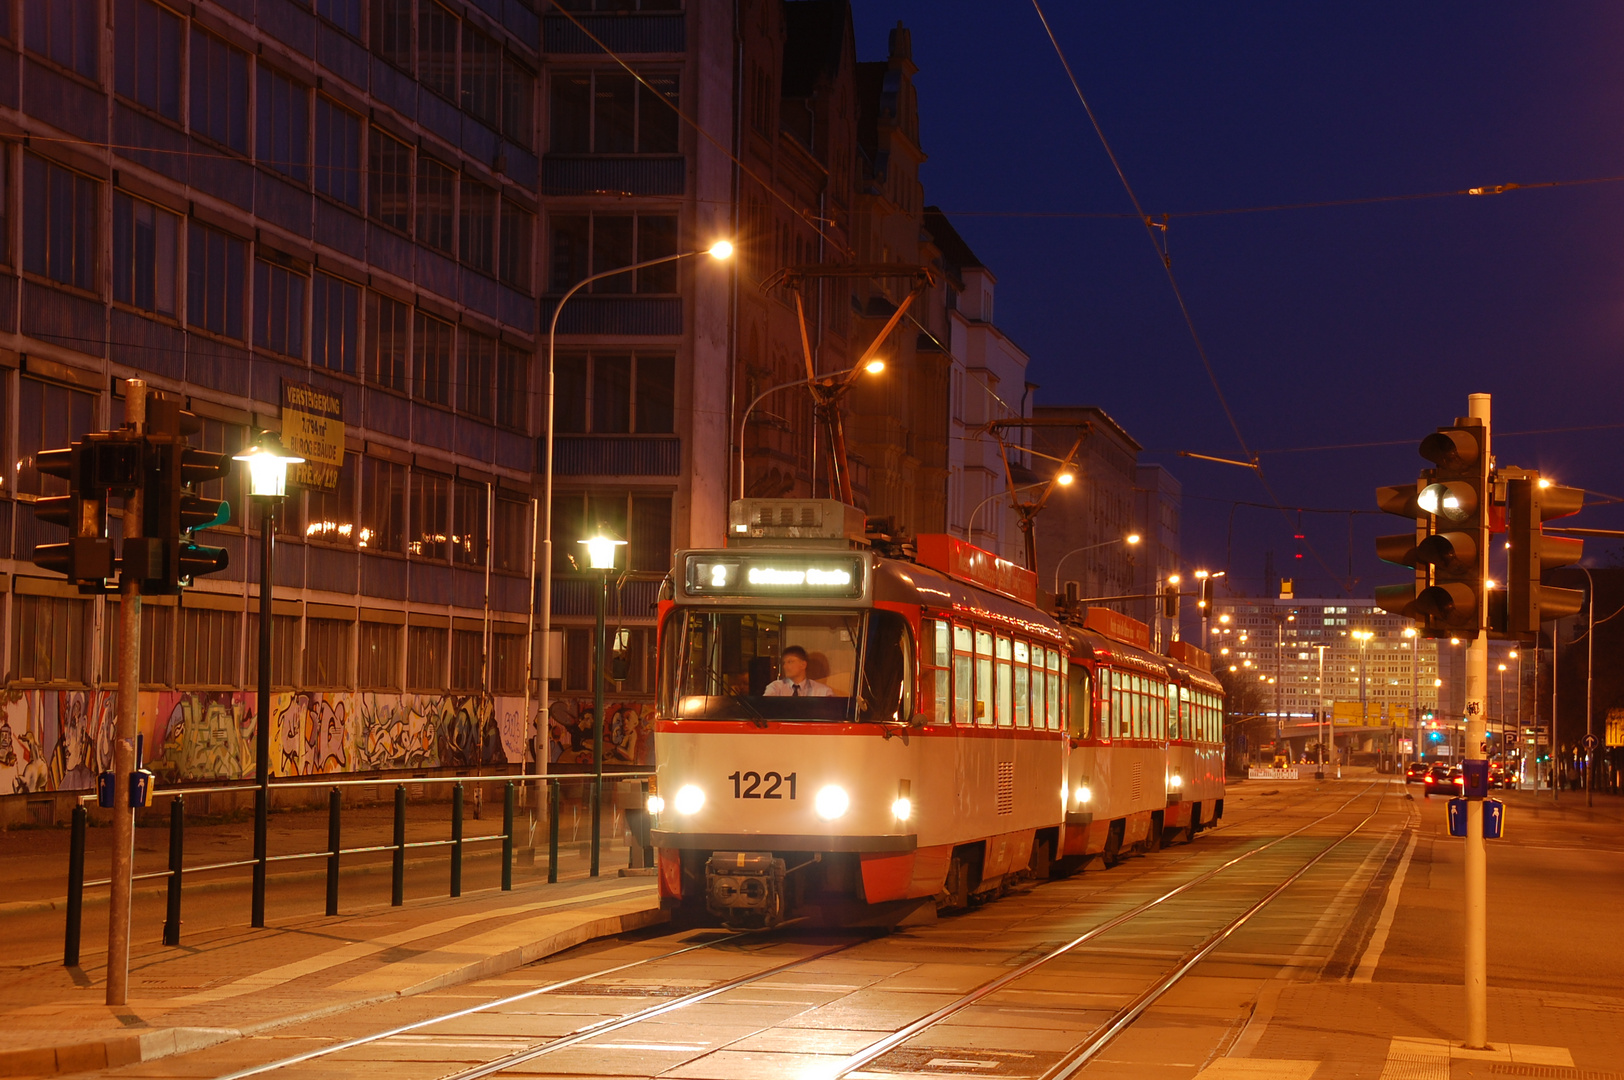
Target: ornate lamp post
{"type": "Point", "coordinates": [267, 482]}
{"type": "Point", "coordinates": [600, 554]}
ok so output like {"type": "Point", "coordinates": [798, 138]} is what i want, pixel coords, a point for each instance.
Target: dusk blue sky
{"type": "Point", "coordinates": [1341, 325]}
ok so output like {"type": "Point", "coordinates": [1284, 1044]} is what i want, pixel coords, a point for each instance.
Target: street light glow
{"type": "Point", "coordinates": [1131, 538]}
{"type": "Point", "coordinates": [1064, 479]}
{"type": "Point", "coordinates": [600, 551]}
{"type": "Point", "coordinates": [874, 366]}
{"type": "Point", "coordinates": [722, 249]}
{"type": "Point", "coordinates": [268, 466]}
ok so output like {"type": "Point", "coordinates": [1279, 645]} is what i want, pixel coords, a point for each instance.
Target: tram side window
{"type": "Point", "coordinates": [935, 660]}
{"type": "Point", "coordinates": [1082, 702]}
{"type": "Point", "coordinates": [1038, 654]}
{"type": "Point", "coordinates": [984, 690]}
{"type": "Point", "coordinates": [1023, 685]}
{"type": "Point", "coordinates": [1054, 690]}
{"type": "Point", "coordinates": [1158, 705]}
{"type": "Point", "coordinates": [886, 693]}
{"type": "Point", "coordinates": [963, 683]}
{"type": "Point", "coordinates": [1006, 711]}
{"type": "Point", "coordinates": [1117, 719]}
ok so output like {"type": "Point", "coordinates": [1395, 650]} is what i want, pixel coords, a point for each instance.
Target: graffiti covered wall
{"type": "Point", "coordinates": [628, 734]}
{"type": "Point", "coordinates": [58, 740]}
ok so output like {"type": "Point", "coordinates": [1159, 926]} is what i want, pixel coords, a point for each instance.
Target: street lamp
{"type": "Point", "coordinates": [873, 367]}
{"type": "Point", "coordinates": [1131, 539]}
{"type": "Point", "coordinates": [1413, 635]}
{"type": "Point", "coordinates": [720, 250]}
{"type": "Point", "coordinates": [268, 482]}
{"type": "Point", "coordinates": [1363, 638]}
{"type": "Point", "coordinates": [600, 555]}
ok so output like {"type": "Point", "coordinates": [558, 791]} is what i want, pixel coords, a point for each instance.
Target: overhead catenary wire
{"type": "Point", "coordinates": [1151, 228]}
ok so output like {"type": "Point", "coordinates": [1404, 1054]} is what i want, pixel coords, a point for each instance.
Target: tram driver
{"type": "Point", "coordinates": [794, 680]}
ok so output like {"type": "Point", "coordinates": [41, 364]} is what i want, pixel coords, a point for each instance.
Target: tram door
{"type": "Point", "coordinates": [1081, 783]}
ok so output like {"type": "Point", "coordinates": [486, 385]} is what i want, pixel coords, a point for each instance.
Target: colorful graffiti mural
{"type": "Point", "coordinates": [58, 740]}
{"type": "Point", "coordinates": [628, 732]}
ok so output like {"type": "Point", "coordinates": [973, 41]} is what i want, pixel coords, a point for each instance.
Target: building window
{"type": "Point", "coordinates": [338, 153]}
{"type": "Point", "coordinates": [390, 178]}
{"type": "Point", "coordinates": [48, 639]}
{"type": "Point", "coordinates": [219, 91]}
{"type": "Point", "coordinates": [279, 300]}
{"type": "Point", "coordinates": [65, 31]}
{"type": "Point", "coordinates": [379, 656]}
{"type": "Point", "coordinates": [157, 644]}
{"type": "Point", "coordinates": [392, 31]}
{"type": "Point", "coordinates": [436, 204]}
{"type": "Point", "coordinates": [468, 524]}
{"type": "Point", "coordinates": [383, 506]}
{"type": "Point", "coordinates": [609, 112]}
{"type": "Point", "coordinates": [206, 646]}
{"type": "Point", "coordinates": [649, 549]}
{"type": "Point", "coordinates": [59, 232]}
{"type": "Point", "coordinates": [644, 521]}
{"type": "Point", "coordinates": [512, 387]}
{"type": "Point", "coordinates": [437, 49]}
{"type": "Point", "coordinates": [327, 654]}
{"type": "Point", "coordinates": [431, 497]}
{"type": "Point", "coordinates": [431, 358]}
{"type": "Point", "coordinates": [481, 77]}
{"type": "Point", "coordinates": [585, 244]}
{"type": "Point", "coordinates": [344, 14]}
{"type": "Point", "coordinates": [518, 226]}
{"type": "Point", "coordinates": [285, 667]}
{"type": "Point", "coordinates": [425, 659]}
{"type": "Point", "coordinates": [49, 417]}
{"type": "Point", "coordinates": [518, 97]}
{"type": "Point", "coordinates": [215, 281]}
{"type": "Point", "coordinates": [335, 319]}
{"type": "Point", "coordinates": [467, 660]}
{"type": "Point", "coordinates": [145, 266]}
{"type": "Point", "coordinates": [218, 437]}
{"type": "Point", "coordinates": [284, 124]}
{"type": "Point", "coordinates": [332, 513]}
{"type": "Point", "coordinates": [146, 56]}
{"type": "Point", "coordinates": [608, 394]}
{"type": "Point", "coordinates": [507, 661]}
{"type": "Point", "coordinates": [476, 374]}
{"type": "Point", "coordinates": [478, 226]}
{"type": "Point", "coordinates": [510, 540]}
{"type": "Point", "coordinates": [387, 355]}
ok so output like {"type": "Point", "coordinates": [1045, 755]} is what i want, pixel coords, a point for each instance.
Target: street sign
{"type": "Point", "coordinates": [1494, 813]}
{"type": "Point", "coordinates": [1406, 746]}
{"type": "Point", "coordinates": [1589, 743]}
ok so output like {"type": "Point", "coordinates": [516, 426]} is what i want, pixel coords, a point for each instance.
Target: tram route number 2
{"type": "Point", "coordinates": [754, 785]}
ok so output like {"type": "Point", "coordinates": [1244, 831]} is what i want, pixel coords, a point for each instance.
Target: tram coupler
{"type": "Point", "coordinates": [745, 888]}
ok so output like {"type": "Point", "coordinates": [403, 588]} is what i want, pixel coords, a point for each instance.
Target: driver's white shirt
{"type": "Point", "coordinates": [785, 687]}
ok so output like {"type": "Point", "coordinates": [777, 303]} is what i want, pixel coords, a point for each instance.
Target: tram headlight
{"type": "Point", "coordinates": [831, 802]}
{"type": "Point", "coordinates": [902, 809]}
{"type": "Point", "coordinates": [655, 804]}
{"type": "Point", "coordinates": [1082, 794]}
{"type": "Point", "coordinates": [689, 799]}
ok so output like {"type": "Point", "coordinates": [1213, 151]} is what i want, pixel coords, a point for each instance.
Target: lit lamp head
{"type": "Point", "coordinates": [600, 551]}
{"type": "Point", "coordinates": [1131, 539]}
{"type": "Point", "coordinates": [1065, 479]}
{"type": "Point", "coordinates": [268, 466]}
{"type": "Point", "coordinates": [874, 366]}
{"type": "Point", "coordinates": [722, 249]}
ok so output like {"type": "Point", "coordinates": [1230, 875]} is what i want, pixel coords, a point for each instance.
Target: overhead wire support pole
{"type": "Point", "coordinates": [1477, 685]}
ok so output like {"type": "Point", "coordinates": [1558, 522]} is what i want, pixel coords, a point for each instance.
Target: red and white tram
{"type": "Point", "coordinates": [854, 737]}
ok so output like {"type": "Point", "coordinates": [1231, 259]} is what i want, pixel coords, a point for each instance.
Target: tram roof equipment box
{"type": "Point", "coordinates": [827, 523]}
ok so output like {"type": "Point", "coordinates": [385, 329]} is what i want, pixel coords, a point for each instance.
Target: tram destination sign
{"type": "Point", "coordinates": [775, 575]}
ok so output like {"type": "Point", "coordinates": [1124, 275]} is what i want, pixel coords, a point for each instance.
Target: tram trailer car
{"type": "Point", "coordinates": [856, 739]}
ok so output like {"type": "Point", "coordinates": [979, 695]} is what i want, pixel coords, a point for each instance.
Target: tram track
{"type": "Point", "coordinates": [772, 939]}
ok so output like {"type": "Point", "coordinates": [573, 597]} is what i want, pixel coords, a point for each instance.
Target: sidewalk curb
{"type": "Point", "coordinates": [118, 1050]}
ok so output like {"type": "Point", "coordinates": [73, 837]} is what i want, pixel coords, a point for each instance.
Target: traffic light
{"type": "Point", "coordinates": [1207, 590]}
{"type": "Point", "coordinates": [165, 557]}
{"type": "Point", "coordinates": [1450, 509]}
{"type": "Point", "coordinates": [1529, 502]}
{"type": "Point", "coordinates": [1170, 601]}
{"type": "Point", "coordinates": [86, 557]}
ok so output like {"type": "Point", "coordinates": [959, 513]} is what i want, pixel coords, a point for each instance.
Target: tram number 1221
{"type": "Point", "coordinates": [748, 785]}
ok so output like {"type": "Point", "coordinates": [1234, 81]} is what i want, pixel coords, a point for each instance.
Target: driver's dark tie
{"type": "Point", "coordinates": [795, 690]}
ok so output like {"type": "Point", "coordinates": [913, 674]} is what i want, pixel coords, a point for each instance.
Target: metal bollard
{"type": "Point", "coordinates": [76, 886]}
{"type": "Point", "coordinates": [334, 847]}
{"type": "Point", "coordinates": [456, 840]}
{"type": "Point", "coordinates": [397, 886]}
{"type": "Point", "coordinates": [177, 854]}
{"type": "Point", "coordinates": [507, 838]}
{"type": "Point", "coordinates": [552, 830]}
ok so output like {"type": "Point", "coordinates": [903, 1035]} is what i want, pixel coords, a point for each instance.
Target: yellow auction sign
{"type": "Point", "coordinates": [313, 428]}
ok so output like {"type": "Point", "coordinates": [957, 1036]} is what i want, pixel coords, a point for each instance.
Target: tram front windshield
{"type": "Point", "coordinates": [762, 665]}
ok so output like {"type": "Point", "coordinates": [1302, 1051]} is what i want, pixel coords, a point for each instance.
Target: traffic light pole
{"type": "Point", "coordinates": [1477, 684]}
{"type": "Point", "coordinates": [129, 675]}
